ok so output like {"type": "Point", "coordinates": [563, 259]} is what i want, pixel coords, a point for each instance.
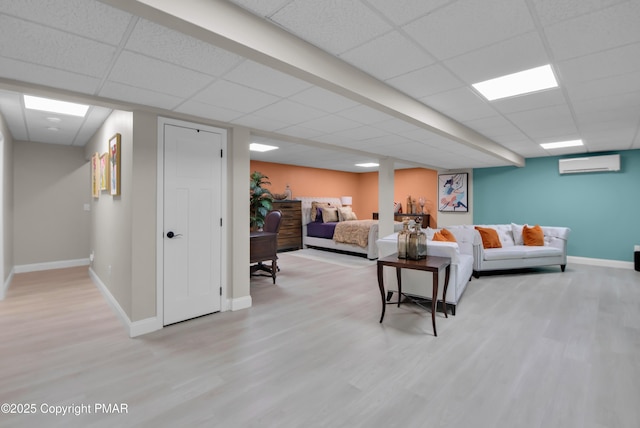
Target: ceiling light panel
{"type": "Point", "coordinates": [523, 82]}
{"type": "Point", "coordinates": [562, 144]}
{"type": "Point", "coordinates": [55, 106]}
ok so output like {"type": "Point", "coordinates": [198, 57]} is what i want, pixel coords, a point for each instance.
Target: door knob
{"type": "Point", "coordinates": [170, 234]}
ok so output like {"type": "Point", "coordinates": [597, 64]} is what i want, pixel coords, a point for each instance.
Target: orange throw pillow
{"type": "Point", "coordinates": [445, 236]}
{"type": "Point", "coordinates": [533, 236]}
{"type": "Point", "coordinates": [489, 237]}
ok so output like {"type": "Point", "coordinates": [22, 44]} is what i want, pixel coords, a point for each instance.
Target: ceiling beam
{"type": "Point", "coordinates": [232, 28]}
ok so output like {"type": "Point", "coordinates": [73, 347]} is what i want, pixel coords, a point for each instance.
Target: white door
{"type": "Point", "coordinates": [192, 217]}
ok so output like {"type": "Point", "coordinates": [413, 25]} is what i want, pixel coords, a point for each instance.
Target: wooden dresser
{"type": "Point", "coordinates": [290, 235]}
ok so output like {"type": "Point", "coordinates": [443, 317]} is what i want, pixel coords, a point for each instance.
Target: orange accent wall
{"type": "Point", "coordinates": [363, 187]}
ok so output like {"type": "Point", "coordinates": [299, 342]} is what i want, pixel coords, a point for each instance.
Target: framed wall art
{"type": "Point", "coordinates": [114, 165]}
{"type": "Point", "coordinates": [453, 192]}
{"type": "Point", "coordinates": [104, 171]}
{"type": "Point", "coordinates": [95, 175]}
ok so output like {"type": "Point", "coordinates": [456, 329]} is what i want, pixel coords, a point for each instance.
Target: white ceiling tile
{"type": "Point", "coordinates": [601, 30]}
{"type": "Point", "coordinates": [387, 56]}
{"type": "Point", "coordinates": [461, 104]}
{"type": "Point", "coordinates": [118, 91]}
{"type": "Point", "coordinates": [515, 54]}
{"type": "Point", "coordinates": [25, 41]}
{"type": "Point", "coordinates": [158, 76]}
{"type": "Point", "coordinates": [43, 75]}
{"type": "Point", "coordinates": [426, 81]}
{"type": "Point", "coordinates": [266, 79]}
{"type": "Point", "coordinates": [234, 96]}
{"type": "Point", "coordinates": [93, 120]}
{"type": "Point", "coordinates": [395, 126]}
{"type": "Point", "coordinates": [360, 133]}
{"type": "Point", "coordinates": [493, 127]}
{"type": "Point", "coordinates": [261, 123]}
{"type": "Point", "coordinates": [333, 25]}
{"type": "Point", "coordinates": [612, 62]}
{"type": "Point", "coordinates": [200, 109]}
{"type": "Point", "coordinates": [551, 12]}
{"type": "Point", "coordinates": [289, 112]}
{"type": "Point", "coordinates": [464, 26]}
{"type": "Point", "coordinates": [322, 99]}
{"type": "Point", "coordinates": [409, 10]}
{"type": "Point", "coordinates": [616, 85]}
{"type": "Point", "coordinates": [300, 132]}
{"type": "Point", "coordinates": [151, 39]}
{"type": "Point", "coordinates": [330, 124]}
{"type": "Point", "coordinates": [549, 122]}
{"type": "Point", "coordinates": [546, 98]}
{"type": "Point", "coordinates": [87, 18]}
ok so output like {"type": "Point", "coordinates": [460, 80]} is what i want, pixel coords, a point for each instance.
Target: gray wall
{"type": "Point", "coordinates": [51, 186]}
{"type": "Point", "coordinates": [6, 215]}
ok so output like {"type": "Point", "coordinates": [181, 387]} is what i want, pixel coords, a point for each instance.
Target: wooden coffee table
{"type": "Point", "coordinates": [432, 264]}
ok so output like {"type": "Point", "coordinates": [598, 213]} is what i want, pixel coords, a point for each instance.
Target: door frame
{"type": "Point", "coordinates": [162, 121]}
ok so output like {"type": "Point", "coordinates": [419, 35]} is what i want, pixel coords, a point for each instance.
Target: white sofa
{"type": "Point", "coordinates": [419, 284]}
{"type": "Point", "coordinates": [514, 254]}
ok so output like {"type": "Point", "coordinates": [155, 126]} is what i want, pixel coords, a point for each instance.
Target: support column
{"type": "Point", "coordinates": [386, 174]}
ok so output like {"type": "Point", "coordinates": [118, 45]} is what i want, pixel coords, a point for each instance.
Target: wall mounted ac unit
{"type": "Point", "coordinates": [589, 164]}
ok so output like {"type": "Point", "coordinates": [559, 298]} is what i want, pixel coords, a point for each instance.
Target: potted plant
{"type": "Point", "coordinates": [261, 199]}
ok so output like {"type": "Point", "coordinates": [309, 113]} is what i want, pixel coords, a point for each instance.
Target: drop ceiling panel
{"type": "Point", "coordinates": [516, 54]}
{"type": "Point", "coordinates": [426, 81]}
{"type": "Point", "coordinates": [547, 98]}
{"type": "Point", "coordinates": [90, 19]}
{"type": "Point", "coordinates": [132, 94]}
{"type": "Point", "coordinates": [461, 104]}
{"type": "Point", "coordinates": [387, 56]}
{"type": "Point", "coordinates": [300, 132]}
{"type": "Point", "coordinates": [151, 39]}
{"type": "Point", "coordinates": [148, 73]}
{"type": "Point", "coordinates": [234, 96]}
{"type": "Point", "coordinates": [322, 99]}
{"type": "Point", "coordinates": [43, 130]}
{"type": "Point", "coordinates": [262, 123]}
{"type": "Point", "coordinates": [551, 12]}
{"type": "Point", "coordinates": [545, 123]}
{"type": "Point", "coordinates": [464, 26]}
{"type": "Point", "coordinates": [92, 122]}
{"type": "Point", "coordinates": [258, 76]}
{"type": "Point", "coordinates": [329, 124]}
{"type": "Point", "coordinates": [37, 44]}
{"type": "Point", "coordinates": [409, 10]}
{"type": "Point", "coordinates": [34, 73]}
{"type": "Point", "coordinates": [289, 112]}
{"type": "Point", "coordinates": [365, 115]}
{"type": "Point", "coordinates": [617, 85]}
{"type": "Point", "coordinates": [605, 29]}
{"type": "Point", "coordinates": [197, 108]}
{"type": "Point", "coordinates": [335, 26]}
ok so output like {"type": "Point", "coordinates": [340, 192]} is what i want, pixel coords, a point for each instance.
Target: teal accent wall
{"type": "Point", "coordinates": [602, 209]}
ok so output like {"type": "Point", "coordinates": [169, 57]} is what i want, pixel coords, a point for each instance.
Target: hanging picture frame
{"type": "Point", "coordinates": [453, 192]}
{"type": "Point", "coordinates": [104, 171]}
{"type": "Point", "coordinates": [95, 175]}
{"type": "Point", "coordinates": [114, 165]}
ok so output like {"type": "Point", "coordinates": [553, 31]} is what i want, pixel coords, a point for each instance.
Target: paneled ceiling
{"type": "Point", "coordinates": [408, 67]}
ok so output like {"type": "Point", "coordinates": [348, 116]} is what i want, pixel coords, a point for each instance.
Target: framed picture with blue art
{"type": "Point", "coordinates": [453, 192]}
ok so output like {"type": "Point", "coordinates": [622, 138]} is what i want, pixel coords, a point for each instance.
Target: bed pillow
{"type": "Point", "coordinates": [314, 210]}
{"type": "Point", "coordinates": [444, 236]}
{"type": "Point", "coordinates": [329, 214]}
{"type": "Point", "coordinates": [489, 237]}
{"type": "Point", "coordinates": [342, 212]}
{"type": "Point", "coordinates": [533, 236]}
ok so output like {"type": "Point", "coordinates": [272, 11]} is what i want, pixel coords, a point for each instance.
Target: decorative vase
{"type": "Point", "coordinates": [403, 240]}
{"type": "Point", "coordinates": [417, 244]}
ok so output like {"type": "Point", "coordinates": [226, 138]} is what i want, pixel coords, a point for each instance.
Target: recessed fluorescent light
{"type": "Point", "coordinates": [255, 147]}
{"type": "Point", "coordinates": [523, 82]}
{"type": "Point", "coordinates": [561, 144]}
{"type": "Point", "coordinates": [367, 164]}
{"type": "Point", "coordinates": [55, 106]}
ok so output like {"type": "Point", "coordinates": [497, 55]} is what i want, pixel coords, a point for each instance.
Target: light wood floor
{"type": "Point", "coordinates": [541, 349]}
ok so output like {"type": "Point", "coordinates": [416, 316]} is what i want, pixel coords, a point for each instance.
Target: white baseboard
{"type": "Point", "coordinates": [241, 303]}
{"type": "Point", "coordinates": [7, 283]}
{"type": "Point", "coordinates": [600, 262]}
{"type": "Point", "coordinates": [61, 264]}
{"type": "Point", "coordinates": [135, 328]}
